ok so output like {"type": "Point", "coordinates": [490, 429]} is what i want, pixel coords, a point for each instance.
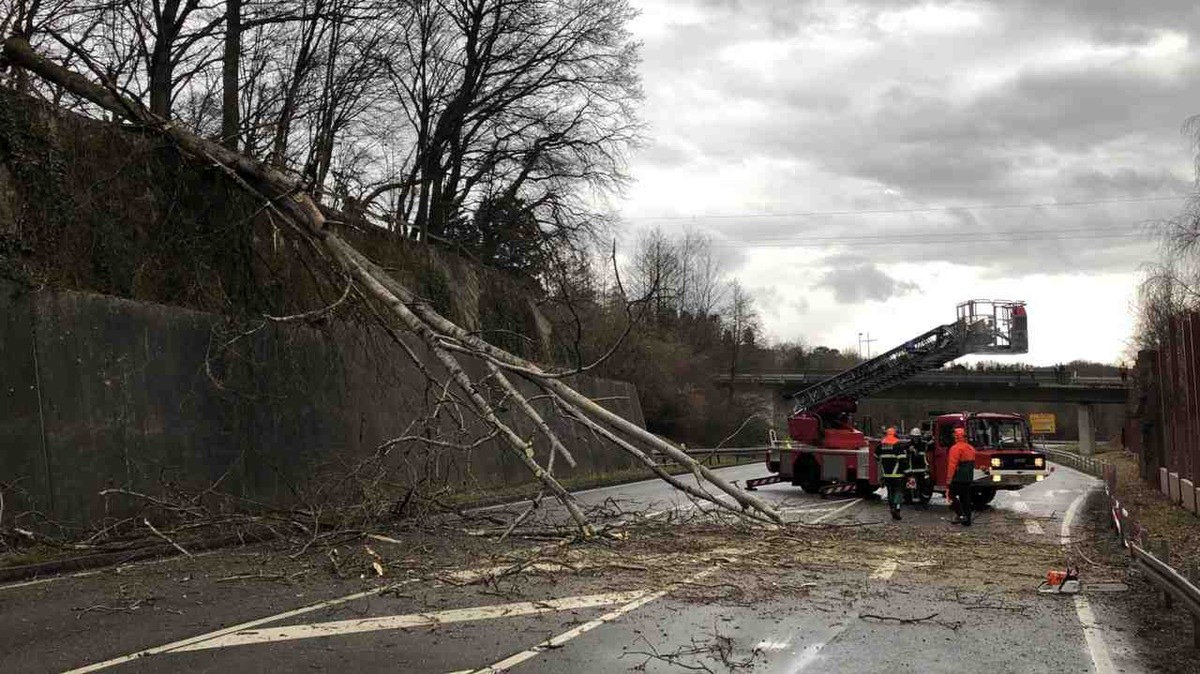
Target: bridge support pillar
{"type": "Point", "coordinates": [1087, 439]}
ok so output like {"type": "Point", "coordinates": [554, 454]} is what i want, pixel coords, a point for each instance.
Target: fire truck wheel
{"type": "Point", "coordinates": [983, 496]}
{"type": "Point", "coordinates": [806, 474]}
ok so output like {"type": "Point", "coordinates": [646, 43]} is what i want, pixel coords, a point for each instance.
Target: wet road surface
{"type": "Point", "coordinates": [883, 605]}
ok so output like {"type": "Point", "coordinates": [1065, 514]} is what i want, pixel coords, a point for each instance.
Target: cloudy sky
{"type": "Point", "coordinates": [865, 166]}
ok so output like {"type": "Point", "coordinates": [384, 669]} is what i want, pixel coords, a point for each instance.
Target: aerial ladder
{"type": "Point", "coordinates": [825, 447]}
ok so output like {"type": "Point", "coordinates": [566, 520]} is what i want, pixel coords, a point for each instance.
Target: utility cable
{"type": "Point", "coordinates": [915, 209]}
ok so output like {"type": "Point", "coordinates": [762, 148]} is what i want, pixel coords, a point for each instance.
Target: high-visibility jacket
{"type": "Point", "coordinates": [961, 466]}
{"type": "Point", "coordinates": [893, 456]}
{"type": "Point", "coordinates": [917, 462]}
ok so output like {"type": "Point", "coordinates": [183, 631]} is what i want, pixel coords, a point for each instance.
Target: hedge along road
{"type": "Point", "coordinates": [843, 611]}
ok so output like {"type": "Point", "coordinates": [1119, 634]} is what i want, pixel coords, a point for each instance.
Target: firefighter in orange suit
{"type": "Point", "coordinates": [960, 473]}
{"type": "Point", "coordinates": [893, 463]}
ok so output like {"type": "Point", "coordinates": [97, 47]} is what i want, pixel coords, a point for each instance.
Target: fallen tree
{"type": "Point", "coordinates": [285, 197]}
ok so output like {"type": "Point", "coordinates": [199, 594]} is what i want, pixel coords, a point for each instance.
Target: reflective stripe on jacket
{"type": "Point", "coordinates": [893, 457]}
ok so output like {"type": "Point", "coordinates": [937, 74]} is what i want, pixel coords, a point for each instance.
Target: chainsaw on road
{"type": "Point", "coordinates": [1060, 582]}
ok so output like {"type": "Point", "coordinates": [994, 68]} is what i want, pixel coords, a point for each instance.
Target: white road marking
{"type": "Point", "coordinates": [772, 645]}
{"type": "Point", "coordinates": [820, 505]}
{"type": "Point", "coordinates": [1092, 635]}
{"type": "Point", "coordinates": [467, 575]}
{"type": "Point", "coordinates": [886, 570]}
{"type": "Point", "coordinates": [400, 622]}
{"type": "Point", "coordinates": [809, 655]}
{"type": "Point", "coordinates": [1021, 507]}
{"type": "Point", "coordinates": [813, 651]}
{"type": "Point", "coordinates": [1034, 528]}
{"type": "Point", "coordinates": [1065, 533]}
{"type": "Point", "coordinates": [557, 641]}
{"type": "Point", "coordinates": [176, 645]}
{"type": "Point", "coordinates": [830, 514]}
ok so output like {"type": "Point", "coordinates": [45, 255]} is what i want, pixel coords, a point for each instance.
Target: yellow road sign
{"type": "Point", "coordinates": [1042, 423]}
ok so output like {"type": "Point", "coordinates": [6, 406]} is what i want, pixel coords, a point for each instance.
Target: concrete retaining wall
{"type": "Point", "coordinates": [102, 392]}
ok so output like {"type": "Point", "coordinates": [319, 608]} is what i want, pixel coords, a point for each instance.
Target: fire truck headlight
{"type": "Point", "coordinates": [1039, 462]}
{"type": "Point", "coordinates": [995, 478]}
{"type": "Point", "coordinates": [1041, 477]}
{"type": "Point", "coordinates": [995, 462]}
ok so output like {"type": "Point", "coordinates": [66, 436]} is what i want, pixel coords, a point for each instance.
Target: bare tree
{"type": "Point", "coordinates": [741, 323]}
{"type": "Point", "coordinates": [509, 99]}
{"type": "Point", "coordinates": [398, 308]}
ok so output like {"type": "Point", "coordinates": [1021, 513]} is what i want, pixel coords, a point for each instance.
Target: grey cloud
{"type": "Point", "coordinates": [1111, 16]}
{"type": "Point", "coordinates": [892, 124]}
{"type": "Point", "coordinates": [664, 153]}
{"type": "Point", "coordinates": [863, 283]}
{"type": "Point", "coordinates": [1127, 180]}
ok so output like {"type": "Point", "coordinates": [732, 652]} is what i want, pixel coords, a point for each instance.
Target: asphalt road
{"type": "Point", "coordinates": [843, 612]}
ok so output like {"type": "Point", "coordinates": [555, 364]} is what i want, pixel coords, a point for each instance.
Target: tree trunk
{"type": "Point", "coordinates": [230, 67]}
{"type": "Point", "coordinates": [160, 81]}
{"type": "Point", "coordinates": [161, 67]}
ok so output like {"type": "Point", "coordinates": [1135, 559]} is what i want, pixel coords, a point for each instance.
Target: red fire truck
{"type": "Point", "coordinates": [1005, 458]}
{"type": "Point", "coordinates": [827, 454]}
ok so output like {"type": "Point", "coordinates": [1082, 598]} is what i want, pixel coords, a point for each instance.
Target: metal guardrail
{"type": "Point", "coordinates": [1136, 538]}
{"type": "Point", "coordinates": [742, 451]}
{"type": "Point", "coordinates": [935, 377]}
{"type": "Point", "coordinates": [1170, 580]}
{"type": "Point", "coordinates": [1083, 464]}
{"type": "Point", "coordinates": [705, 454]}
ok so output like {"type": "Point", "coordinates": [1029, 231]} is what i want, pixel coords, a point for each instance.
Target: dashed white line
{"type": "Point", "coordinates": [400, 622]}
{"type": "Point", "coordinates": [885, 571]}
{"type": "Point", "coordinates": [809, 655]}
{"type": "Point", "coordinates": [772, 645]}
{"type": "Point", "coordinates": [558, 640]}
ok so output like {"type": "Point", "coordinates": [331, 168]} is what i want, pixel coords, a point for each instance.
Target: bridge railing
{"type": "Point", "coordinates": [1019, 378]}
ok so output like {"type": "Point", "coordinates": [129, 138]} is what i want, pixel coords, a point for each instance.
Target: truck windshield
{"type": "Point", "coordinates": [998, 433]}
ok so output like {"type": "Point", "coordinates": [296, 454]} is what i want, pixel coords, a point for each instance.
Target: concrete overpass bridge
{"type": "Point", "coordinates": [1028, 386]}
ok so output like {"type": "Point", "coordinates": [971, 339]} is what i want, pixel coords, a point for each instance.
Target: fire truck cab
{"type": "Point", "coordinates": [1005, 457]}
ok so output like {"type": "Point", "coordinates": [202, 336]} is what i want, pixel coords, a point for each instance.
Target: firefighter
{"type": "Point", "coordinates": [918, 466]}
{"type": "Point", "coordinates": [960, 473]}
{"type": "Point", "coordinates": [893, 457]}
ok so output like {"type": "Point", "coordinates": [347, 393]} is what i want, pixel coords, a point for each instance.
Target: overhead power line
{"type": "Point", "coordinates": [905, 240]}
{"type": "Point", "coordinates": [1100, 231]}
{"type": "Point", "coordinates": [916, 209]}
